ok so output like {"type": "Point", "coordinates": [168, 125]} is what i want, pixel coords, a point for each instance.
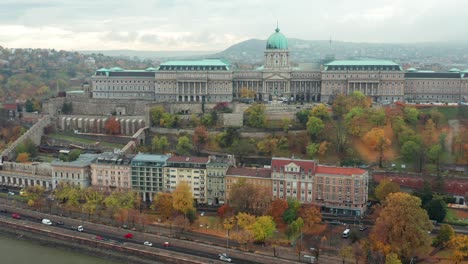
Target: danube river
{"type": "Point", "coordinates": [20, 251]}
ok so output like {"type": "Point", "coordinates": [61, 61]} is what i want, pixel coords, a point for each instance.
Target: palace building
{"type": "Point", "coordinates": [214, 80]}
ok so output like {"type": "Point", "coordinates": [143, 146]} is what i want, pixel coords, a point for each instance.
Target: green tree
{"type": "Point", "coordinates": [320, 111]}
{"type": "Point", "coordinates": [242, 148]}
{"type": "Point", "coordinates": [268, 145]}
{"type": "Point", "coordinates": [445, 234]}
{"type": "Point", "coordinates": [182, 198]}
{"type": "Point", "coordinates": [411, 115]}
{"type": "Point", "coordinates": [356, 121]}
{"type": "Point", "coordinates": [437, 210]}
{"type": "Point", "coordinates": [255, 116]}
{"type": "Point", "coordinates": [156, 114]}
{"type": "Point", "coordinates": [159, 144]}
{"type": "Point", "coordinates": [74, 155]}
{"type": "Point", "coordinates": [312, 150]}
{"type": "Point", "coordinates": [410, 151]}
{"type": "Point", "coordinates": [184, 146]}
{"type": "Point", "coordinates": [292, 212]}
{"type": "Point", "coordinates": [303, 116]}
{"type": "Point", "coordinates": [315, 126]}
{"type": "Point", "coordinates": [402, 225]}
{"type": "Point", "coordinates": [295, 228]}
{"type": "Point", "coordinates": [263, 228]}
{"type": "Point", "coordinates": [286, 124]}
{"type": "Point", "coordinates": [385, 188]}
{"type": "Point", "coordinates": [94, 200]}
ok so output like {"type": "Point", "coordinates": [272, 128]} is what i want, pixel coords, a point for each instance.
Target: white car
{"type": "Point", "coordinates": [224, 257]}
{"type": "Point", "coordinates": [80, 228]}
{"type": "Point", "coordinates": [147, 243]}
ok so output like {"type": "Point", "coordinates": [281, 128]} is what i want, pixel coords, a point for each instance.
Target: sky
{"type": "Point", "coordinates": [213, 25]}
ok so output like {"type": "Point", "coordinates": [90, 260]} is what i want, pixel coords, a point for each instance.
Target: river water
{"type": "Point", "coordinates": [21, 251]}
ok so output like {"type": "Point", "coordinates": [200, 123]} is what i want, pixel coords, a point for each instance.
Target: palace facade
{"type": "Point", "coordinates": [214, 80]}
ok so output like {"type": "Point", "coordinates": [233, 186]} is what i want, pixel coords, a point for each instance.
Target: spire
{"type": "Point", "coordinates": [277, 27]}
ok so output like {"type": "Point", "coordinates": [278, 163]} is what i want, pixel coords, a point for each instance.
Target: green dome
{"type": "Point", "coordinates": [277, 41]}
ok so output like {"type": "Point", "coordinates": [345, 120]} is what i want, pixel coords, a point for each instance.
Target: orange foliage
{"type": "Point", "coordinates": [225, 211]}
{"type": "Point", "coordinates": [112, 126]}
{"type": "Point", "coordinates": [22, 157]}
{"type": "Point", "coordinates": [277, 208]}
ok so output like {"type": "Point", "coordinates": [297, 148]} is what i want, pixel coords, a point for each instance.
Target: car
{"type": "Point", "coordinates": [46, 222]}
{"type": "Point", "coordinates": [166, 244]}
{"type": "Point", "coordinates": [60, 223]}
{"type": "Point", "coordinates": [362, 228]}
{"type": "Point", "coordinates": [224, 257]}
{"type": "Point", "coordinates": [3, 211]}
{"type": "Point", "coordinates": [335, 222]}
{"type": "Point", "coordinates": [202, 214]}
{"type": "Point", "coordinates": [80, 228]}
{"type": "Point", "coordinates": [147, 243]}
{"type": "Point", "coordinates": [11, 193]}
{"type": "Point", "coordinates": [128, 235]}
{"type": "Point", "coordinates": [99, 238]}
{"type": "Point", "coordinates": [16, 216]}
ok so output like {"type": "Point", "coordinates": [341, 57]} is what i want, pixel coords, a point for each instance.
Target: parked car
{"type": "Point", "coordinates": [362, 228]}
{"type": "Point", "coordinates": [224, 257]}
{"type": "Point", "coordinates": [166, 244]}
{"type": "Point", "coordinates": [16, 216]}
{"type": "Point", "coordinates": [128, 235]}
{"type": "Point", "coordinates": [147, 243]}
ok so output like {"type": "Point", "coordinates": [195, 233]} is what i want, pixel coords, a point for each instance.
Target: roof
{"type": "Point", "coordinates": [249, 172]}
{"type": "Point", "coordinates": [442, 75]}
{"type": "Point", "coordinates": [204, 62]}
{"type": "Point", "coordinates": [10, 106]}
{"type": "Point", "coordinates": [82, 161]}
{"type": "Point", "coordinates": [150, 158]}
{"type": "Point", "coordinates": [119, 72]}
{"type": "Point", "coordinates": [349, 171]}
{"type": "Point", "coordinates": [304, 164]}
{"type": "Point", "coordinates": [184, 159]}
{"type": "Point", "coordinates": [362, 63]}
{"type": "Point", "coordinates": [277, 41]}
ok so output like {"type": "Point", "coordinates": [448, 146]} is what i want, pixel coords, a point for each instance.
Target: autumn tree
{"type": "Point", "coordinates": [268, 145]}
{"type": "Point", "coordinates": [156, 114]}
{"type": "Point", "coordinates": [402, 226]}
{"type": "Point", "coordinates": [311, 216]}
{"type": "Point", "coordinates": [377, 141]}
{"type": "Point", "coordinates": [112, 126]}
{"type": "Point", "coordinates": [314, 126]}
{"type": "Point", "coordinates": [245, 220]}
{"type": "Point", "coordinates": [22, 157]}
{"type": "Point", "coordinates": [392, 258]}
{"type": "Point", "coordinates": [263, 228]}
{"type": "Point", "coordinates": [356, 121]}
{"type": "Point", "coordinates": [247, 93]}
{"type": "Point", "coordinates": [346, 253]}
{"type": "Point", "coordinates": [182, 198]}
{"type": "Point", "coordinates": [243, 237]}
{"type": "Point", "coordinates": [242, 148]}
{"type": "Point", "coordinates": [255, 116]}
{"type": "Point", "coordinates": [286, 124]}
{"type": "Point", "coordinates": [249, 198]}
{"type": "Point", "coordinates": [35, 195]}
{"type": "Point", "coordinates": [225, 211]}
{"type": "Point", "coordinates": [321, 112]}
{"type": "Point", "coordinates": [200, 138]}
{"type": "Point", "coordinates": [159, 144]}
{"type": "Point", "coordinates": [184, 146]}
{"type": "Point", "coordinates": [459, 245]}
{"type": "Point", "coordinates": [93, 201]}
{"type": "Point", "coordinates": [385, 188]}
{"type": "Point", "coordinates": [163, 204]}
{"type": "Point", "coordinates": [277, 209]}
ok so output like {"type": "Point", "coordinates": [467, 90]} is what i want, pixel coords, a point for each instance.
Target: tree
{"type": "Point", "coordinates": [377, 141]}
{"type": "Point", "coordinates": [200, 138]}
{"type": "Point", "coordinates": [249, 198]}
{"type": "Point", "coordinates": [292, 212]}
{"type": "Point", "coordinates": [184, 146]}
{"type": "Point", "coordinates": [445, 234]}
{"type": "Point", "coordinates": [277, 209]}
{"type": "Point", "coordinates": [295, 228]}
{"type": "Point", "coordinates": [263, 228]}
{"type": "Point", "coordinates": [245, 220]}
{"type": "Point", "coordinates": [225, 211]}
{"type": "Point", "coordinates": [35, 195]}
{"type": "Point", "coordinates": [436, 209]}
{"type": "Point", "coordinates": [392, 258]}
{"type": "Point", "coordinates": [286, 124]}
{"type": "Point", "coordinates": [312, 150]}
{"type": "Point", "coordinates": [303, 116]}
{"type": "Point", "coordinates": [93, 201]}
{"type": "Point", "coordinates": [159, 144]}
{"type": "Point", "coordinates": [402, 226]}
{"type": "Point", "coordinates": [346, 252]}
{"type": "Point", "coordinates": [320, 111]}
{"type": "Point", "coordinates": [411, 115]}
{"type": "Point", "coordinates": [459, 245]}
{"type": "Point", "coordinates": [163, 205]}
{"type": "Point", "coordinates": [156, 114]}
{"type": "Point", "coordinates": [268, 145]}
{"type": "Point", "coordinates": [255, 116]}
{"type": "Point", "coordinates": [356, 121]}
{"type": "Point", "coordinates": [243, 237]}
{"type": "Point", "coordinates": [247, 93]}
{"type": "Point", "coordinates": [314, 126]}
{"type": "Point", "coordinates": [22, 157]}
{"type": "Point", "coordinates": [74, 155]}
{"type": "Point", "coordinates": [241, 148]}
{"type": "Point", "coordinates": [112, 126]}
{"type": "Point", "coordinates": [385, 188]}
{"type": "Point", "coordinates": [182, 198]}
{"type": "Point", "coordinates": [410, 151]}
{"type": "Point", "coordinates": [311, 216]}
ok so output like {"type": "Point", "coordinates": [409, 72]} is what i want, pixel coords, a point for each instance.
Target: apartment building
{"type": "Point", "coordinates": [216, 179]}
{"type": "Point", "coordinates": [76, 172]}
{"type": "Point", "coordinates": [259, 177]}
{"type": "Point", "coordinates": [148, 174]}
{"type": "Point", "coordinates": [110, 172]}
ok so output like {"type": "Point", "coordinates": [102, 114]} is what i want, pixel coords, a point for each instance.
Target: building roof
{"type": "Point", "coordinates": [277, 41]}
{"type": "Point", "coordinates": [112, 158]}
{"type": "Point", "coordinates": [249, 172]}
{"type": "Point", "coordinates": [361, 63]}
{"type": "Point", "coordinates": [119, 72]}
{"type": "Point", "coordinates": [184, 159]}
{"type": "Point", "coordinates": [82, 161]}
{"type": "Point", "coordinates": [10, 106]}
{"type": "Point", "coordinates": [306, 165]}
{"type": "Point", "coordinates": [432, 75]}
{"type": "Point", "coordinates": [204, 62]}
{"type": "Point", "coordinates": [150, 158]}
{"type": "Point", "coordinates": [321, 169]}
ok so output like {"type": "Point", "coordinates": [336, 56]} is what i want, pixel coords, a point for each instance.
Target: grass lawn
{"type": "Point", "coordinates": [453, 218]}
{"type": "Point", "coordinates": [77, 139]}
{"type": "Point", "coordinates": [448, 112]}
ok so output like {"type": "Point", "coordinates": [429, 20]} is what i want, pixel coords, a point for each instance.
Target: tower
{"type": "Point", "coordinates": [277, 52]}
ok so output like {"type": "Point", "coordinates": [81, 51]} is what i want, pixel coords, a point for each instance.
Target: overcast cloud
{"type": "Point", "coordinates": [217, 24]}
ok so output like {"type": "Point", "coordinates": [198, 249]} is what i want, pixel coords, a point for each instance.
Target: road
{"type": "Point", "coordinates": [116, 235]}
